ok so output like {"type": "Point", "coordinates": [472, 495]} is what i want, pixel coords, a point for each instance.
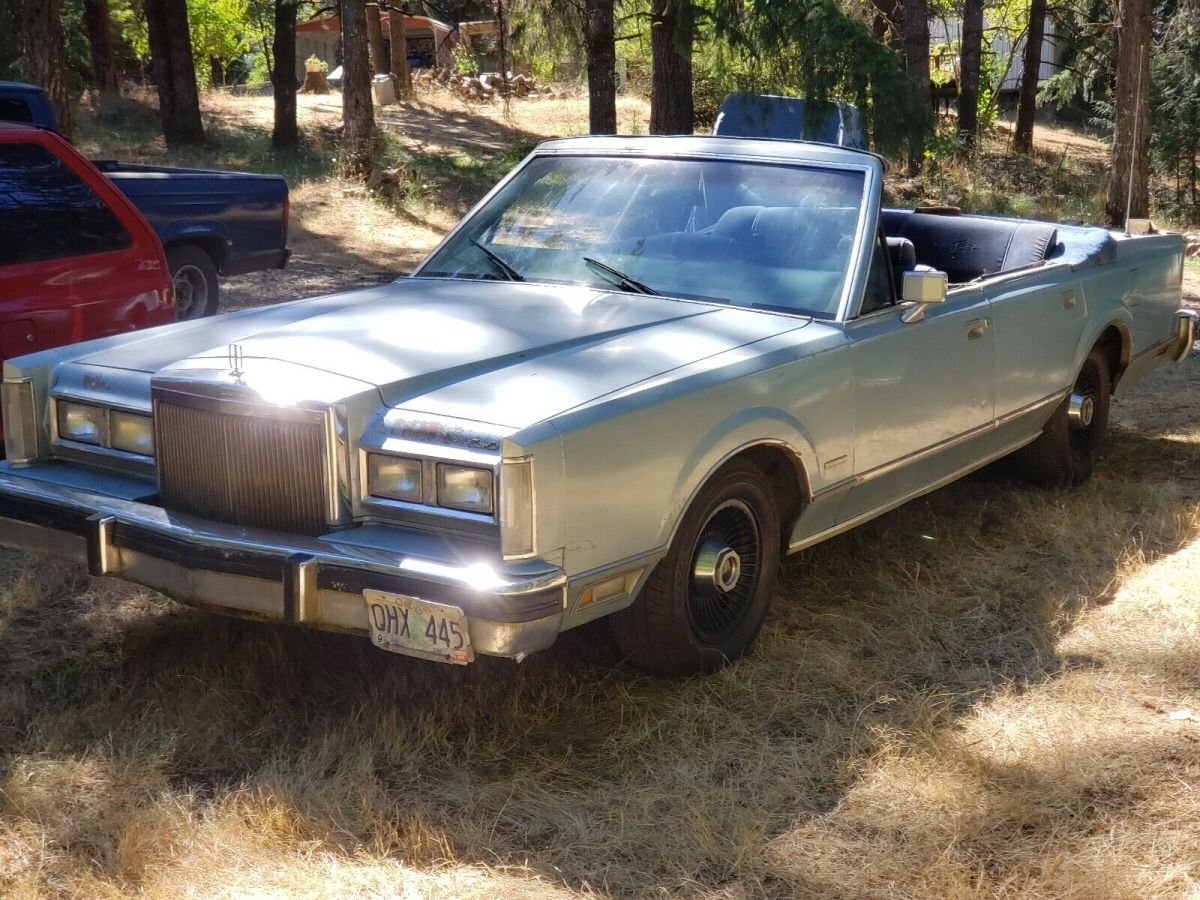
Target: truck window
{"type": "Point", "coordinates": [14, 109]}
{"type": "Point", "coordinates": [48, 212]}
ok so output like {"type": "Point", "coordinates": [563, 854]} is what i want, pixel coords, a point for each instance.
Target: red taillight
{"type": "Point", "coordinates": [287, 211]}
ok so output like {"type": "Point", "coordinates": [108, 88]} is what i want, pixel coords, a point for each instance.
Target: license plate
{"type": "Point", "coordinates": [418, 628]}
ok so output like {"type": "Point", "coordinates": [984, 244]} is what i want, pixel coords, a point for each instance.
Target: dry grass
{"type": "Point", "coordinates": [992, 691]}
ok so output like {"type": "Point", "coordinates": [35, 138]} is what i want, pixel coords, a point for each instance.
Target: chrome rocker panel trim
{"type": "Point", "coordinates": [317, 582]}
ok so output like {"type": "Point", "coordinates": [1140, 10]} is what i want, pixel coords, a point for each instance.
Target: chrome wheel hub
{"type": "Point", "coordinates": [725, 570]}
{"type": "Point", "coordinates": [1080, 409]}
{"type": "Point", "coordinates": [717, 567]}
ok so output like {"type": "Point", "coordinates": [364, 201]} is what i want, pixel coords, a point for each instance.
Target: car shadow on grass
{"type": "Point", "coordinates": [567, 766]}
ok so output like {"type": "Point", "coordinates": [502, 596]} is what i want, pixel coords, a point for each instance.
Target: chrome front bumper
{"type": "Point", "coordinates": [1185, 334]}
{"type": "Point", "coordinates": [511, 610]}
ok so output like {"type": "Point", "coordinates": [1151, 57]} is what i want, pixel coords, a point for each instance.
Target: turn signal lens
{"type": "Point", "coordinates": [20, 421]}
{"type": "Point", "coordinates": [394, 477]}
{"type": "Point", "coordinates": [80, 422]}
{"type": "Point", "coordinates": [465, 488]}
{"type": "Point", "coordinates": [132, 433]}
{"type": "Point", "coordinates": [516, 508]}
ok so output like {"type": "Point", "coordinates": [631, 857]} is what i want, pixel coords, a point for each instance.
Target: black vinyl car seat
{"type": "Point", "coordinates": [970, 247]}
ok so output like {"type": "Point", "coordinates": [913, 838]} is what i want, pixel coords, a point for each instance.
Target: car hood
{"type": "Point", "coordinates": [498, 352]}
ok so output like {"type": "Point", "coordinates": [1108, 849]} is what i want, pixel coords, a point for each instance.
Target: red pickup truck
{"type": "Point", "coordinates": [77, 259]}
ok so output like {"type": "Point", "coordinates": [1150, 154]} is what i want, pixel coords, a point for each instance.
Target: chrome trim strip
{"type": "Point", "coordinates": [842, 527]}
{"type": "Point", "coordinates": [948, 444]}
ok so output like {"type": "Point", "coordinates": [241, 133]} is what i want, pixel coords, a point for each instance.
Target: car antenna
{"type": "Point", "coordinates": [1137, 120]}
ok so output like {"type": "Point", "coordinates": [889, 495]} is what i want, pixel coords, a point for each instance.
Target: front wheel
{"type": "Point", "coordinates": [703, 605]}
{"type": "Point", "coordinates": [1066, 452]}
{"type": "Point", "coordinates": [194, 276]}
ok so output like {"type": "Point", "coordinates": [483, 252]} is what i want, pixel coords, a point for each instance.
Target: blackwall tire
{"type": "Point", "coordinates": [1066, 452]}
{"type": "Point", "coordinates": [705, 602]}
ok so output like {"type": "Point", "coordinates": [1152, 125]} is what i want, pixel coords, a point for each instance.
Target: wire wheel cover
{"type": "Point", "coordinates": [1084, 434]}
{"type": "Point", "coordinates": [725, 570]}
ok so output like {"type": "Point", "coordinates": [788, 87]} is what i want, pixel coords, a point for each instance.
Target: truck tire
{"type": "Point", "coordinates": [703, 605]}
{"type": "Point", "coordinates": [1066, 452]}
{"type": "Point", "coordinates": [195, 277]}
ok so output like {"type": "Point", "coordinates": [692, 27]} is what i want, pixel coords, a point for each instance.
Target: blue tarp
{"type": "Point", "coordinates": [790, 118]}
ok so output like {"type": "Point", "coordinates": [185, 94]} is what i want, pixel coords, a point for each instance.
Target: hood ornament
{"type": "Point", "coordinates": [236, 360]}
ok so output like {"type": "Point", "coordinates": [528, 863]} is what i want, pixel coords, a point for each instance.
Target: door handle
{"type": "Point", "coordinates": [976, 328]}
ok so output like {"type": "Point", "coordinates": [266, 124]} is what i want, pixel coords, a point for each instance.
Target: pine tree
{"type": "Point", "coordinates": [672, 32]}
{"type": "Point", "coordinates": [601, 67]}
{"type": "Point", "coordinates": [1129, 187]}
{"type": "Point", "coordinates": [174, 71]}
{"type": "Point", "coordinates": [286, 133]}
{"type": "Point", "coordinates": [970, 58]}
{"type": "Point", "coordinates": [358, 110]}
{"type": "Point", "coordinates": [1035, 36]}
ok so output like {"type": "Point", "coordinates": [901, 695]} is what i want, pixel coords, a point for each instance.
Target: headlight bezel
{"type": "Point", "coordinates": [429, 503]}
{"type": "Point", "coordinates": [101, 451]}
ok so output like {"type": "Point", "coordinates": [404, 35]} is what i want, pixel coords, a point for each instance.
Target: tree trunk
{"type": "Point", "coordinates": [1027, 97]}
{"type": "Point", "coordinates": [1131, 114]}
{"type": "Point", "coordinates": [44, 59]}
{"type": "Point", "coordinates": [98, 23]}
{"type": "Point", "coordinates": [358, 111]}
{"type": "Point", "coordinates": [671, 34]}
{"type": "Point", "coordinates": [286, 134]}
{"type": "Point", "coordinates": [216, 71]}
{"type": "Point", "coordinates": [970, 58]}
{"type": "Point", "coordinates": [379, 60]}
{"type": "Point", "coordinates": [174, 71]}
{"type": "Point", "coordinates": [916, 65]}
{"type": "Point", "coordinates": [398, 33]}
{"type": "Point", "coordinates": [602, 67]}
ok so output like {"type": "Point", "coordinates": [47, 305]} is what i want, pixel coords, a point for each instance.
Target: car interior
{"type": "Point", "coordinates": [968, 248]}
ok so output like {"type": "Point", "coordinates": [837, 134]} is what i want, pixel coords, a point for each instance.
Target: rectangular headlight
{"type": "Point", "coordinates": [20, 421]}
{"type": "Point", "coordinates": [394, 477]}
{"type": "Point", "coordinates": [516, 507]}
{"type": "Point", "coordinates": [81, 422]}
{"type": "Point", "coordinates": [131, 433]}
{"type": "Point", "coordinates": [465, 487]}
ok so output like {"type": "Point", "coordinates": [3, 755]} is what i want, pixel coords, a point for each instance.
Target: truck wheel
{"type": "Point", "coordinates": [195, 277]}
{"type": "Point", "coordinates": [1070, 442]}
{"type": "Point", "coordinates": [704, 604]}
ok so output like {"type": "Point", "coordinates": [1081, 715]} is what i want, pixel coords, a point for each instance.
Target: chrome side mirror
{"type": "Point", "coordinates": [923, 288]}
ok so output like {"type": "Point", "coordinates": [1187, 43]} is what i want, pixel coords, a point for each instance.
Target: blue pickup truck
{"type": "Point", "coordinates": [210, 222]}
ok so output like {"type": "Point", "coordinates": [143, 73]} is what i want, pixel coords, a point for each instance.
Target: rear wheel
{"type": "Point", "coordinates": [195, 280]}
{"type": "Point", "coordinates": [1070, 443]}
{"type": "Point", "coordinates": [704, 604]}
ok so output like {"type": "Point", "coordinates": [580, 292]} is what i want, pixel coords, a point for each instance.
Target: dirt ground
{"type": "Point", "coordinates": [993, 691]}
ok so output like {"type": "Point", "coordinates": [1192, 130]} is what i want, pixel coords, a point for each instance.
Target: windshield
{"type": "Point", "coordinates": [749, 234]}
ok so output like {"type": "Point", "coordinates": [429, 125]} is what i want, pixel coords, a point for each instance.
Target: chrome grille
{"type": "Point", "coordinates": [258, 471]}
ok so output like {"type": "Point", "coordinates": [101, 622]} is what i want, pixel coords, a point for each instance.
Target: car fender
{"type": "Point", "coordinates": [737, 433]}
{"type": "Point", "coordinates": [205, 234]}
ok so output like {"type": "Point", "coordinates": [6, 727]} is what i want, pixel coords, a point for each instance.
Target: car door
{"type": "Point", "coordinates": [1038, 327]}
{"type": "Point", "coordinates": [921, 389]}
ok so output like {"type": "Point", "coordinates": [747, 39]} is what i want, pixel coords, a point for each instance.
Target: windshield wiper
{"type": "Point", "coordinates": [619, 278]}
{"type": "Point", "coordinates": [499, 262]}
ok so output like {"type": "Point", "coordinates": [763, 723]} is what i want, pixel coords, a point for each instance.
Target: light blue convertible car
{"type": "Point", "coordinates": [637, 375]}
